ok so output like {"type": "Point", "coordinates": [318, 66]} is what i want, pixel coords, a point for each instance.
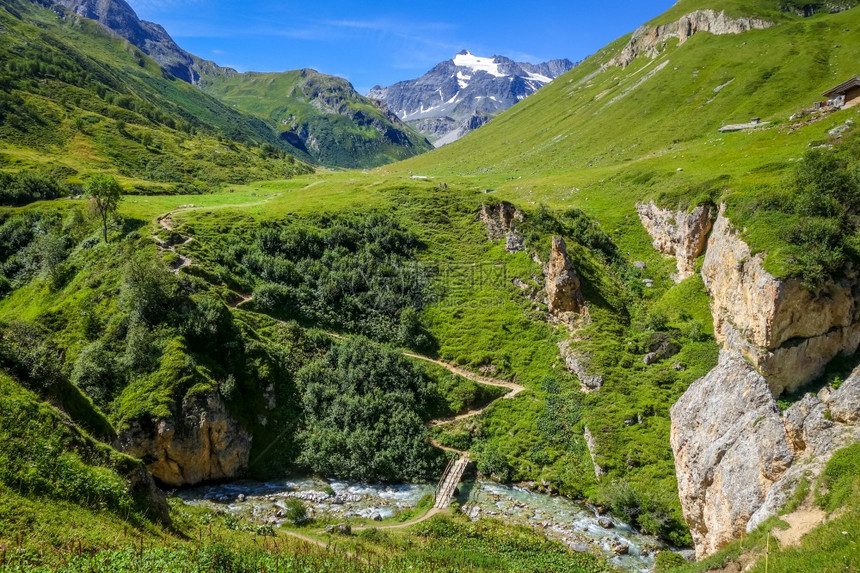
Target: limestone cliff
{"type": "Point", "coordinates": [677, 233]}
{"type": "Point", "coordinates": [501, 221]}
{"type": "Point", "coordinates": [648, 41]}
{"type": "Point", "coordinates": [739, 459]}
{"type": "Point", "coordinates": [200, 442]}
{"type": "Point", "coordinates": [730, 447]}
{"type": "Point", "coordinates": [564, 298]}
{"type": "Point", "coordinates": [787, 331]}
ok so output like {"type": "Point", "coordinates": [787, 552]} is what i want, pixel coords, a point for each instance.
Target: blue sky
{"type": "Point", "coordinates": [385, 41]}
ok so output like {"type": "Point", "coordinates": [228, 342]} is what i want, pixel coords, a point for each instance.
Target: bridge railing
{"type": "Point", "coordinates": [451, 461]}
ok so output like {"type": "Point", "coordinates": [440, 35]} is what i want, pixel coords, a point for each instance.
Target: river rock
{"type": "Point", "coordinates": [620, 548]}
{"type": "Point", "coordinates": [605, 523]}
{"type": "Point", "coordinates": [677, 233]}
{"type": "Point", "coordinates": [376, 516]}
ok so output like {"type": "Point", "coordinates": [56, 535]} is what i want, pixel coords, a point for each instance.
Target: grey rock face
{"type": "Point", "coordinates": [649, 41]}
{"type": "Point", "coordinates": [464, 92]}
{"type": "Point", "coordinates": [677, 233]}
{"type": "Point", "coordinates": [501, 222]}
{"type": "Point", "coordinates": [738, 459]}
{"type": "Point", "coordinates": [579, 364]}
{"type": "Point", "coordinates": [730, 447]}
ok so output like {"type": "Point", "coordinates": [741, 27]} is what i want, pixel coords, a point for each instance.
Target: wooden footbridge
{"type": "Point", "coordinates": [452, 476]}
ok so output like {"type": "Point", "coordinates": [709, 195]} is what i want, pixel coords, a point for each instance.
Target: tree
{"type": "Point", "coordinates": [105, 194]}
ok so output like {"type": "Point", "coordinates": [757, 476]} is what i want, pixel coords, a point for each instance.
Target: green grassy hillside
{"type": "Point", "coordinates": [76, 100]}
{"type": "Point", "coordinates": [601, 139]}
{"type": "Point", "coordinates": [321, 115]}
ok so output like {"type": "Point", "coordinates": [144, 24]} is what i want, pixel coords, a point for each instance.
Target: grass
{"type": "Point", "coordinates": [350, 131]}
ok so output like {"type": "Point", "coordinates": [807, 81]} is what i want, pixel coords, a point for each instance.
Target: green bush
{"type": "Point", "coordinates": [364, 411]}
{"type": "Point", "coordinates": [666, 561]}
{"type": "Point", "coordinates": [97, 373]}
{"type": "Point", "coordinates": [295, 511]}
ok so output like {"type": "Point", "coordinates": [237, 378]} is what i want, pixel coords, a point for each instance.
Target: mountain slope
{"type": "Point", "coordinates": [321, 115]}
{"type": "Point", "coordinates": [650, 129]}
{"type": "Point", "coordinates": [335, 126]}
{"type": "Point", "coordinates": [462, 93]}
{"type": "Point", "coordinates": [76, 98]}
{"type": "Point", "coordinates": [119, 17]}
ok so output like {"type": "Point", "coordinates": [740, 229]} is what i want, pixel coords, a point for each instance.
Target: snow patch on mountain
{"type": "Point", "coordinates": [489, 65]}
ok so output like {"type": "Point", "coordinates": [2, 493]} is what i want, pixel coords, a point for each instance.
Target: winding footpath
{"type": "Point", "coordinates": [451, 478]}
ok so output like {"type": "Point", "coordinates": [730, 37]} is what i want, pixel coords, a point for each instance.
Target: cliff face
{"type": "Point", "coordinates": [677, 233]}
{"type": "Point", "coordinates": [201, 442]}
{"type": "Point", "coordinates": [648, 41]}
{"type": "Point", "coordinates": [737, 457]}
{"type": "Point", "coordinates": [730, 447]}
{"type": "Point", "coordinates": [787, 331]}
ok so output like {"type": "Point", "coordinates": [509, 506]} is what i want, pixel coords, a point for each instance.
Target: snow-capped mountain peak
{"type": "Point", "coordinates": [463, 93]}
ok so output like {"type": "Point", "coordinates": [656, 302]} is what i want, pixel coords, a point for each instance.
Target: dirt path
{"type": "Point", "coordinates": [800, 523]}
{"type": "Point", "coordinates": [514, 388]}
{"type": "Point", "coordinates": [165, 223]}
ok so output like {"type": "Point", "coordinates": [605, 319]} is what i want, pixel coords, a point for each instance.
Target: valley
{"type": "Point", "coordinates": [637, 332]}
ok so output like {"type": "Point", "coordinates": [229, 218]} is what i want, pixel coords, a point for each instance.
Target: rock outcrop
{"type": "Point", "coordinates": [730, 447]}
{"type": "Point", "coordinates": [649, 41]}
{"type": "Point", "coordinates": [678, 233]}
{"type": "Point", "coordinates": [562, 283]}
{"type": "Point", "coordinates": [200, 442]}
{"type": "Point", "coordinates": [738, 459]}
{"type": "Point", "coordinates": [501, 221]}
{"type": "Point", "coordinates": [591, 444]}
{"type": "Point", "coordinates": [578, 363]}
{"type": "Point", "coordinates": [787, 331]}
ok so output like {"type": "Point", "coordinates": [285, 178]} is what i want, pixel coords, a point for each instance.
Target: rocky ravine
{"type": "Point", "coordinates": [737, 458]}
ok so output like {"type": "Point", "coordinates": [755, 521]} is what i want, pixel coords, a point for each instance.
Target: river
{"type": "Point", "coordinates": [574, 523]}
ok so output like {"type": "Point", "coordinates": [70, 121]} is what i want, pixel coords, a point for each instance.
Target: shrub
{"type": "Point", "coordinates": [96, 372]}
{"type": "Point", "coordinates": [295, 511]}
{"type": "Point", "coordinates": [147, 288]}
{"type": "Point", "coordinates": [364, 411]}
{"type": "Point", "coordinates": [26, 352]}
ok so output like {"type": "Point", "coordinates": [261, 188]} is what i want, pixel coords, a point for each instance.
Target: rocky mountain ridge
{"type": "Point", "coordinates": [121, 19]}
{"type": "Point", "coordinates": [462, 93]}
